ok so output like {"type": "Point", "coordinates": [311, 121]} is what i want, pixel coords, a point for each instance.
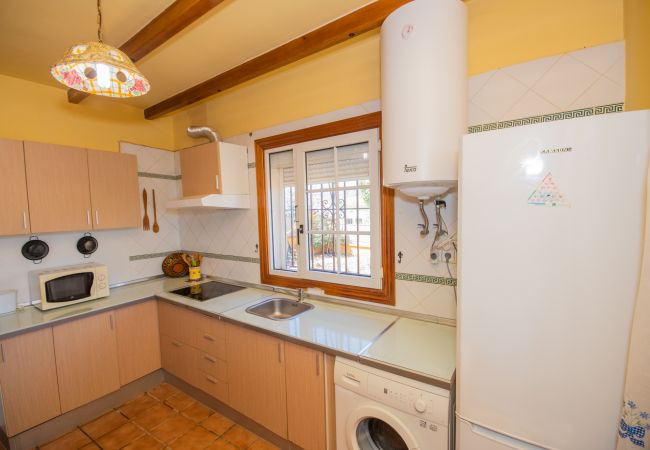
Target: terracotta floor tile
{"type": "Point", "coordinates": [137, 405]}
{"type": "Point", "coordinates": [262, 445]}
{"type": "Point", "coordinates": [197, 412]}
{"type": "Point", "coordinates": [91, 446]}
{"type": "Point", "coordinates": [240, 436]}
{"type": "Point", "coordinates": [217, 423]}
{"type": "Point", "coordinates": [180, 401]}
{"type": "Point", "coordinates": [196, 439]}
{"type": "Point", "coordinates": [222, 444]}
{"type": "Point", "coordinates": [154, 416]}
{"type": "Point", "coordinates": [163, 391]}
{"type": "Point", "coordinates": [108, 422]}
{"type": "Point", "coordinates": [172, 428]}
{"type": "Point", "coordinates": [145, 442]}
{"type": "Point", "coordinates": [120, 437]}
{"type": "Point", "coordinates": [70, 441]}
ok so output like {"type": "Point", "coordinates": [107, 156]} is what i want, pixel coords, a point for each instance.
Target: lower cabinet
{"type": "Point", "coordinates": [256, 370]}
{"type": "Point", "coordinates": [178, 358]}
{"type": "Point", "coordinates": [306, 404]}
{"type": "Point", "coordinates": [28, 381]}
{"type": "Point", "coordinates": [138, 346]}
{"type": "Point", "coordinates": [86, 359]}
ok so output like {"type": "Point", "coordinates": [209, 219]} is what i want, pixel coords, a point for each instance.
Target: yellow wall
{"type": "Point", "coordinates": [506, 32]}
{"type": "Point", "coordinates": [637, 54]}
{"type": "Point", "coordinates": [345, 75]}
{"type": "Point", "coordinates": [33, 111]}
{"type": "Point", "coordinates": [501, 33]}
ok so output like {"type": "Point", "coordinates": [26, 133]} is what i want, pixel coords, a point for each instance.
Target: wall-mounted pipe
{"type": "Point", "coordinates": [206, 132]}
{"type": "Point", "coordinates": [425, 225]}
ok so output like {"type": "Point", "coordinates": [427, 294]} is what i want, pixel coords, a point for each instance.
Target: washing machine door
{"type": "Point", "coordinates": [376, 428]}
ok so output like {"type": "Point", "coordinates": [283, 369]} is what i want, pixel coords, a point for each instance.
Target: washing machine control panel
{"type": "Point", "coordinates": [411, 400]}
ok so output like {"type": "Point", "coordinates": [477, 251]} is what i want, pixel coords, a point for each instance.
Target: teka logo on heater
{"type": "Point", "coordinates": [408, 168]}
{"type": "Point", "coordinates": [547, 151]}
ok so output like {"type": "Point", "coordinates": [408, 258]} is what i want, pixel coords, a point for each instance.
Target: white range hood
{"type": "Point", "coordinates": [216, 201]}
{"type": "Point", "coordinates": [214, 175]}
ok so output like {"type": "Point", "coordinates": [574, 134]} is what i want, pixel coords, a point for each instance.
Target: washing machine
{"type": "Point", "coordinates": [377, 410]}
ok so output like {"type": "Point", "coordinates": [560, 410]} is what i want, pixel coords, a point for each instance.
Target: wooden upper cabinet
{"type": "Point", "coordinates": [30, 394]}
{"type": "Point", "coordinates": [138, 346]}
{"type": "Point", "coordinates": [306, 413]}
{"type": "Point", "coordinates": [14, 215]}
{"type": "Point", "coordinates": [86, 360]}
{"type": "Point", "coordinates": [214, 168]}
{"type": "Point", "coordinates": [114, 190]}
{"type": "Point", "coordinates": [256, 375]}
{"type": "Point", "coordinates": [57, 187]}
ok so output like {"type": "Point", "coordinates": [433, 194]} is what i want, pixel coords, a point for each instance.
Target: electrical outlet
{"type": "Point", "coordinates": [448, 255]}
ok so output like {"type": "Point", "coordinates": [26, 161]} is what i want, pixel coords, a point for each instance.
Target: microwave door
{"type": "Point", "coordinates": [69, 287]}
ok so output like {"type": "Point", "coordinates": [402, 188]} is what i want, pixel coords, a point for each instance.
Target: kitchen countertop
{"type": "Point", "coordinates": [408, 347]}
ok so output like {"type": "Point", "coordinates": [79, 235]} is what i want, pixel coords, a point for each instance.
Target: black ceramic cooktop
{"type": "Point", "coordinates": [206, 291]}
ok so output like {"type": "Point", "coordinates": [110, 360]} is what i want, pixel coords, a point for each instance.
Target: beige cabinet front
{"type": "Point", "coordinates": [306, 413]}
{"type": "Point", "coordinates": [14, 215]}
{"type": "Point", "coordinates": [86, 359]}
{"type": "Point", "coordinates": [256, 373]}
{"type": "Point", "coordinates": [138, 346]}
{"type": "Point", "coordinates": [114, 190]}
{"type": "Point", "coordinates": [57, 187]}
{"type": "Point", "coordinates": [30, 394]}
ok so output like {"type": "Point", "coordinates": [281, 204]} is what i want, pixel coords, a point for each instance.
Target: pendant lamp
{"type": "Point", "coordinates": [100, 69]}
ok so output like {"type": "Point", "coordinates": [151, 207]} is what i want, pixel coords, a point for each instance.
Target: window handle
{"type": "Point", "coordinates": [300, 230]}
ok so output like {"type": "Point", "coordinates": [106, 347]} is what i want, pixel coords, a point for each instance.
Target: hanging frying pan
{"type": "Point", "coordinates": [35, 250]}
{"type": "Point", "coordinates": [87, 245]}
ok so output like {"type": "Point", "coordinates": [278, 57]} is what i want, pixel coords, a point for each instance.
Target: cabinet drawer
{"type": "Point", "coordinates": [211, 336]}
{"type": "Point", "coordinates": [178, 358]}
{"type": "Point", "coordinates": [214, 387]}
{"type": "Point", "coordinates": [213, 366]}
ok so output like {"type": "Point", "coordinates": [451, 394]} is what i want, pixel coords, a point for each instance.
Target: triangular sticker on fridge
{"type": "Point", "coordinates": [547, 194]}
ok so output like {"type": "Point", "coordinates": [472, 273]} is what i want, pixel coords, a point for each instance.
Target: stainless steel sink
{"type": "Point", "coordinates": [279, 308]}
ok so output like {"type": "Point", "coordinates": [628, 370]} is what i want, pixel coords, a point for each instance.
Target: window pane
{"type": "Point", "coordinates": [283, 211]}
{"type": "Point", "coordinates": [338, 192]}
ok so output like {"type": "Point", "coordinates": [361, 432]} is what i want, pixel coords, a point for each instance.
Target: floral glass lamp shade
{"type": "Point", "coordinates": [100, 69]}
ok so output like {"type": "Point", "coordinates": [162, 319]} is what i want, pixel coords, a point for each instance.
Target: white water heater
{"type": "Point", "coordinates": [423, 95]}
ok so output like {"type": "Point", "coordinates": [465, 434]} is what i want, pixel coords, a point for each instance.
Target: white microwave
{"type": "Point", "coordinates": [63, 286]}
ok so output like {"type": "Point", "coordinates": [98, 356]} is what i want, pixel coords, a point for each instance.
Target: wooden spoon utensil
{"type": "Point", "coordinates": [155, 228]}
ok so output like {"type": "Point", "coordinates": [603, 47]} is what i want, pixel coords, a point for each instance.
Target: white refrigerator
{"type": "Point", "coordinates": [550, 233]}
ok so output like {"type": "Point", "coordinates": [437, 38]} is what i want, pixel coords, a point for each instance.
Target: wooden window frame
{"type": "Point", "coordinates": [385, 294]}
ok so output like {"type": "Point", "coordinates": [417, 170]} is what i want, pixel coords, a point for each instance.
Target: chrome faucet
{"type": "Point", "coordinates": [301, 295]}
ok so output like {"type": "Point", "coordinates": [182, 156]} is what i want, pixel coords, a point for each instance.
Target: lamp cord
{"type": "Point", "coordinates": [99, 20]}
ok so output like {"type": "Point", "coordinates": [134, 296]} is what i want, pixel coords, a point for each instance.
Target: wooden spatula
{"type": "Point", "coordinates": [145, 219]}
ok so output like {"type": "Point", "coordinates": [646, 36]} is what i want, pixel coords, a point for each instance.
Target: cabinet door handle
{"type": "Point", "coordinates": [211, 380]}
{"type": "Point", "coordinates": [216, 181]}
{"type": "Point", "coordinates": [176, 344]}
{"type": "Point", "coordinates": [209, 358]}
{"type": "Point", "coordinates": [97, 216]}
{"type": "Point", "coordinates": [2, 351]}
{"type": "Point", "coordinates": [88, 216]}
{"type": "Point", "coordinates": [208, 337]}
{"type": "Point", "coordinates": [24, 219]}
{"type": "Point", "coordinates": [317, 365]}
{"type": "Point", "coordinates": [279, 352]}
{"type": "Point", "coordinates": [110, 321]}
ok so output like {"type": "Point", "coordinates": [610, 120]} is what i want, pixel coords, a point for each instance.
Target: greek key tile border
{"type": "Point", "coordinates": [444, 281]}
{"type": "Point", "coordinates": [161, 176]}
{"type": "Point", "coordinates": [149, 256]}
{"type": "Point", "coordinates": [584, 112]}
{"type": "Point", "coordinates": [245, 259]}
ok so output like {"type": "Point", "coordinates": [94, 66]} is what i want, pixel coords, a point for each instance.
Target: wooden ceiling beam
{"type": "Point", "coordinates": [360, 21]}
{"type": "Point", "coordinates": [174, 19]}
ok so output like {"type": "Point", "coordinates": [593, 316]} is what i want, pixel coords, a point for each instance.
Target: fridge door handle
{"type": "Point", "coordinates": [503, 439]}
